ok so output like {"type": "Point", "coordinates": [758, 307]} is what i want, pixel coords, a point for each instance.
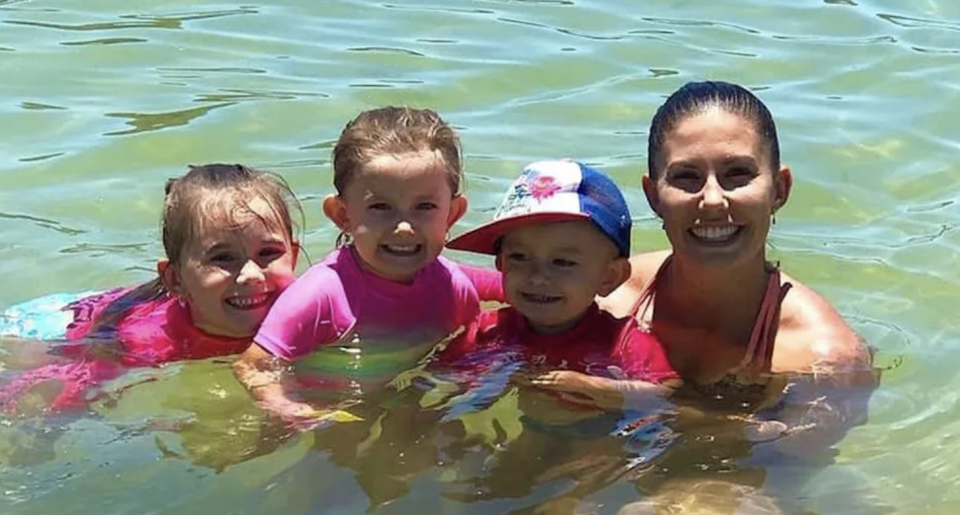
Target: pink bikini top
{"type": "Point", "coordinates": [758, 356]}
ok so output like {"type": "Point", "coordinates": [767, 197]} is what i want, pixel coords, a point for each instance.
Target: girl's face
{"type": "Point", "coordinates": [398, 210]}
{"type": "Point", "coordinates": [232, 271]}
{"type": "Point", "coordinates": [717, 190]}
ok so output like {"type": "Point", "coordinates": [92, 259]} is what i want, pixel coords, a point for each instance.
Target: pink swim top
{"type": "Point", "coordinates": [757, 359]}
{"type": "Point", "coordinates": [338, 301]}
{"type": "Point", "coordinates": [149, 333]}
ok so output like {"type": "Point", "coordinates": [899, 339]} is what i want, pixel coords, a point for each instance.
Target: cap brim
{"type": "Point", "coordinates": [483, 239]}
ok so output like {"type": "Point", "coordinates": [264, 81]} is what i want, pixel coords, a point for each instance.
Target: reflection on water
{"type": "Point", "coordinates": [104, 41]}
{"type": "Point", "coordinates": [443, 439]}
{"type": "Point", "coordinates": [152, 122]}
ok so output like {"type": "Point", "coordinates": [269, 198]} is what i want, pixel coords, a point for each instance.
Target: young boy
{"type": "Point", "coordinates": [561, 237]}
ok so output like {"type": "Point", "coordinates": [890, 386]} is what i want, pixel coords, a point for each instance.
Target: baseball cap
{"type": "Point", "coordinates": [554, 191]}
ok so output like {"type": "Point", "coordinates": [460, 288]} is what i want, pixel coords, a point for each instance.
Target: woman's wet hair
{"type": "Point", "coordinates": [212, 194]}
{"type": "Point", "coordinates": [698, 97]}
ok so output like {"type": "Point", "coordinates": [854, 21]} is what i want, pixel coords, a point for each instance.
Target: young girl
{"type": "Point", "coordinates": [230, 248]}
{"type": "Point", "coordinates": [384, 297]}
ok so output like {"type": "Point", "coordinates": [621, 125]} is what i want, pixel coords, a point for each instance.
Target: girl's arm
{"type": "Point", "coordinates": [262, 374]}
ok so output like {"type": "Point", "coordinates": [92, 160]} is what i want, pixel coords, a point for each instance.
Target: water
{"type": "Point", "coordinates": [101, 102]}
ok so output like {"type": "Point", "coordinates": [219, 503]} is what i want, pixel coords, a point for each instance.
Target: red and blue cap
{"type": "Point", "coordinates": [555, 191]}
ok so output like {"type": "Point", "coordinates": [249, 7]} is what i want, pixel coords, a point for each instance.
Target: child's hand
{"type": "Point", "coordinates": [303, 416]}
{"type": "Point", "coordinates": [601, 392]}
{"type": "Point", "coordinates": [580, 388]}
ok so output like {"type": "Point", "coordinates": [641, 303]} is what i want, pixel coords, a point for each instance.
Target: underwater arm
{"type": "Point", "coordinates": [604, 393]}
{"type": "Point", "coordinates": [262, 374]}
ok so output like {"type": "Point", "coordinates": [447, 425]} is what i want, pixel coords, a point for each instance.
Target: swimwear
{"type": "Point", "coordinates": [739, 383]}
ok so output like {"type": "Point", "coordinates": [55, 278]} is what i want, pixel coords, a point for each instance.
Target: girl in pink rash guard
{"type": "Point", "coordinates": [384, 297]}
{"type": "Point", "coordinates": [230, 251]}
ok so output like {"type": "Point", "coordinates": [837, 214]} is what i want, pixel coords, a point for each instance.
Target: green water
{"type": "Point", "coordinates": [101, 101]}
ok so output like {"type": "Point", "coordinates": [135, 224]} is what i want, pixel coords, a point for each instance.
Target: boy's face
{"type": "Point", "coordinates": [552, 272]}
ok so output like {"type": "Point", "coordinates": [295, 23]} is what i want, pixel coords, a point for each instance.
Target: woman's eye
{"type": "Point", "coordinates": [686, 175]}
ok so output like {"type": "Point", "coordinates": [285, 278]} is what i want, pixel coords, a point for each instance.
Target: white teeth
{"type": "Point", "coordinates": [246, 302]}
{"type": "Point", "coordinates": [713, 233]}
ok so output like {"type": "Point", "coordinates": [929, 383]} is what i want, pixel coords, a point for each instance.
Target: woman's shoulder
{"type": "Point", "coordinates": [813, 336]}
{"type": "Point", "coordinates": [643, 267]}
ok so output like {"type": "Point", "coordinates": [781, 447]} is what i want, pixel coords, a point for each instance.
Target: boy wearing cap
{"type": "Point", "coordinates": [562, 236]}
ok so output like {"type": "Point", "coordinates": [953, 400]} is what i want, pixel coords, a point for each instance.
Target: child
{"type": "Point", "coordinates": [384, 297]}
{"type": "Point", "coordinates": [230, 251]}
{"type": "Point", "coordinates": [562, 237]}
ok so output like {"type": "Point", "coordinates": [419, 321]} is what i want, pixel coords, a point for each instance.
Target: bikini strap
{"type": "Point", "coordinates": [643, 303]}
{"type": "Point", "coordinates": [759, 352]}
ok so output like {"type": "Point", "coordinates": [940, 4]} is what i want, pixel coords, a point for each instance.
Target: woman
{"type": "Point", "coordinates": [751, 343]}
{"type": "Point", "coordinates": [727, 317]}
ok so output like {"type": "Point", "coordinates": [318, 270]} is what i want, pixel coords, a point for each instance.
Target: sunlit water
{"type": "Point", "coordinates": [101, 101]}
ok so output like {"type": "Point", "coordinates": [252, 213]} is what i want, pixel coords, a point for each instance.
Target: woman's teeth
{"type": "Point", "coordinates": [715, 233]}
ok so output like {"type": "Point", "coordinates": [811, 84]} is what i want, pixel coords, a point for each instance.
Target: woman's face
{"type": "Point", "coordinates": [715, 188]}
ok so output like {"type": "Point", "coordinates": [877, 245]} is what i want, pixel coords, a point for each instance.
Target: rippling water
{"type": "Point", "coordinates": [101, 101]}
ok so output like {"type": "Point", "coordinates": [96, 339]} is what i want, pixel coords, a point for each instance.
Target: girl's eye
{"type": "Point", "coordinates": [222, 258]}
{"type": "Point", "coordinates": [271, 252]}
{"type": "Point", "coordinates": [517, 256]}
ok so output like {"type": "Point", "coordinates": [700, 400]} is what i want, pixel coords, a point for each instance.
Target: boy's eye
{"type": "Point", "coordinates": [423, 206]}
{"type": "Point", "coordinates": [564, 263]}
{"type": "Point", "coordinates": [516, 256]}
{"type": "Point", "coordinates": [379, 206]}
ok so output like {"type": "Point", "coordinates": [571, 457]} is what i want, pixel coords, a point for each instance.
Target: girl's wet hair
{"type": "Point", "coordinates": [698, 97]}
{"type": "Point", "coordinates": [394, 130]}
{"type": "Point", "coordinates": [212, 194]}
